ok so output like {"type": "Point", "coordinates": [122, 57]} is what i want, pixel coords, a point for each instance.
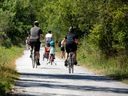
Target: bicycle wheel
{"type": "Point", "coordinates": [69, 64]}
{"type": "Point", "coordinates": [33, 60]}
{"type": "Point", "coordinates": [36, 60]}
{"type": "Point", "coordinates": [51, 59]}
{"type": "Point", "coordinates": [72, 65]}
{"type": "Point", "coordinates": [73, 61]}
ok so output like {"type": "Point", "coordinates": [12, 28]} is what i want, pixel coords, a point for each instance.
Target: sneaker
{"type": "Point", "coordinates": [38, 63]}
{"type": "Point", "coordinates": [75, 63]}
{"type": "Point", "coordinates": [66, 63]}
{"type": "Point", "coordinates": [30, 55]}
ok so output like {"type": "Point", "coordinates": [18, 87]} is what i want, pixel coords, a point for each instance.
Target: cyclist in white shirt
{"type": "Point", "coordinates": [48, 38]}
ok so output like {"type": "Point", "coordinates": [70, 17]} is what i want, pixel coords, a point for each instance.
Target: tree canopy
{"type": "Point", "coordinates": [105, 22]}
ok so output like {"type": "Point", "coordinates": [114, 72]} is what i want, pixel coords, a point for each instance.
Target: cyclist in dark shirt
{"type": "Point", "coordinates": [35, 35]}
{"type": "Point", "coordinates": [71, 43]}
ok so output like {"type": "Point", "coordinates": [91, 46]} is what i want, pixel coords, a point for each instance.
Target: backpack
{"type": "Point", "coordinates": [59, 43]}
{"type": "Point", "coordinates": [70, 38]}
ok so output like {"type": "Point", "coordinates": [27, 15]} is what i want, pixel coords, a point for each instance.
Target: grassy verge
{"type": "Point", "coordinates": [7, 68]}
{"type": "Point", "coordinates": [58, 52]}
{"type": "Point", "coordinates": [114, 67]}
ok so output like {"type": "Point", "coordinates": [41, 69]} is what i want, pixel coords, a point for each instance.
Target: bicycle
{"type": "Point", "coordinates": [34, 59]}
{"type": "Point", "coordinates": [46, 53]}
{"type": "Point", "coordinates": [70, 62]}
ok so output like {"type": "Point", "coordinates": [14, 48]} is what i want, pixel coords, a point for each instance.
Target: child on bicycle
{"type": "Point", "coordinates": [52, 51]}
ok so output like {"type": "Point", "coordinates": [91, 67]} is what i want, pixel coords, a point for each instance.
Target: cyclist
{"type": "Point", "coordinates": [48, 38]}
{"type": "Point", "coordinates": [52, 49]}
{"type": "Point", "coordinates": [35, 35]}
{"type": "Point", "coordinates": [71, 44]}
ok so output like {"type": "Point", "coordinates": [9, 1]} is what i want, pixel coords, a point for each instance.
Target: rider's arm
{"type": "Point", "coordinates": [41, 34]}
{"type": "Point", "coordinates": [76, 39]}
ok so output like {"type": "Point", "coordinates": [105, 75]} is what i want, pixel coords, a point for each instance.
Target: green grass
{"type": "Point", "coordinates": [7, 68]}
{"type": "Point", "coordinates": [114, 67]}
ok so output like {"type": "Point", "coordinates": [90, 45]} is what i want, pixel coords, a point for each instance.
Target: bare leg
{"type": "Point", "coordinates": [62, 54]}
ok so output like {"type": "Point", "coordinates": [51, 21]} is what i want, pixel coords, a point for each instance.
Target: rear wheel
{"type": "Point", "coordinates": [69, 64]}
{"type": "Point", "coordinates": [33, 60]}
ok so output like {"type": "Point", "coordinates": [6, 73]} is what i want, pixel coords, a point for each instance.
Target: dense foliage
{"type": "Point", "coordinates": [105, 20]}
{"type": "Point", "coordinates": [7, 68]}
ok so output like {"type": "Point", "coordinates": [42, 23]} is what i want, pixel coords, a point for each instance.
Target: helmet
{"type": "Point", "coordinates": [36, 23]}
{"type": "Point", "coordinates": [52, 43]}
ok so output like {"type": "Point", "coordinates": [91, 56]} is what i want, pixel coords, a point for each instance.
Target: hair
{"type": "Point", "coordinates": [49, 31]}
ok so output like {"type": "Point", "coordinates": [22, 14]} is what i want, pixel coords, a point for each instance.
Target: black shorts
{"type": "Point", "coordinates": [71, 47]}
{"type": "Point", "coordinates": [62, 48]}
{"type": "Point", "coordinates": [35, 44]}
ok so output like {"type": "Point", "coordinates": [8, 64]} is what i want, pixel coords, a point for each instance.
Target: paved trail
{"type": "Point", "coordinates": [54, 80]}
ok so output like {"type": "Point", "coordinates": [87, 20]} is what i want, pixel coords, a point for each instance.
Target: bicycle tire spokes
{"type": "Point", "coordinates": [71, 62]}
{"type": "Point", "coordinates": [34, 61]}
{"type": "Point", "coordinates": [52, 59]}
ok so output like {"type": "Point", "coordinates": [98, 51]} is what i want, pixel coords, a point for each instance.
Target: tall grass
{"type": "Point", "coordinates": [7, 68]}
{"type": "Point", "coordinates": [115, 67]}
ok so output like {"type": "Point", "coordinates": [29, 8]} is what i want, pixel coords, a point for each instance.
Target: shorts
{"type": "Point", "coordinates": [62, 48]}
{"type": "Point", "coordinates": [47, 44]}
{"type": "Point", "coordinates": [35, 44]}
{"type": "Point", "coordinates": [71, 47]}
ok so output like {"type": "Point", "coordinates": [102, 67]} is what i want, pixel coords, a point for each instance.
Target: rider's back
{"type": "Point", "coordinates": [70, 38]}
{"type": "Point", "coordinates": [35, 33]}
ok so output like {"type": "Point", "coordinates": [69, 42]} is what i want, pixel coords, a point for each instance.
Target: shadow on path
{"type": "Point", "coordinates": [55, 85]}
{"type": "Point", "coordinates": [44, 94]}
{"type": "Point", "coordinates": [66, 76]}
